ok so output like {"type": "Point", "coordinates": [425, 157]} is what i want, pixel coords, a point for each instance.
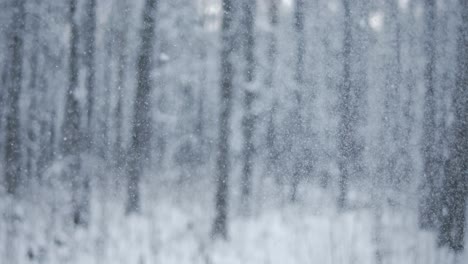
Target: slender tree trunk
{"type": "Point", "coordinates": [223, 164]}
{"type": "Point", "coordinates": [199, 127]}
{"type": "Point", "coordinates": [83, 209]}
{"type": "Point", "coordinates": [300, 48]}
{"type": "Point", "coordinates": [3, 95]}
{"type": "Point", "coordinates": [391, 132]}
{"type": "Point", "coordinates": [89, 60]}
{"type": "Point", "coordinates": [33, 144]}
{"type": "Point", "coordinates": [428, 204]}
{"type": "Point", "coordinates": [49, 133]}
{"type": "Point", "coordinates": [344, 126]}
{"type": "Point", "coordinates": [272, 42]}
{"type": "Point", "coordinates": [200, 123]}
{"type": "Point", "coordinates": [272, 152]}
{"type": "Point", "coordinates": [298, 93]}
{"type": "Point", "coordinates": [118, 115]}
{"type": "Point", "coordinates": [409, 118]}
{"type": "Point", "coordinates": [104, 139]}
{"type": "Point", "coordinates": [141, 130]}
{"type": "Point", "coordinates": [271, 141]}
{"type": "Point", "coordinates": [248, 122]}
{"type": "Point", "coordinates": [33, 119]}
{"type": "Point", "coordinates": [72, 137]}
{"type": "Point", "coordinates": [15, 78]}
{"type": "Point", "coordinates": [408, 83]}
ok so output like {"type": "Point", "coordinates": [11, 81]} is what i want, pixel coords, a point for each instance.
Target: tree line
{"type": "Point", "coordinates": [340, 91]}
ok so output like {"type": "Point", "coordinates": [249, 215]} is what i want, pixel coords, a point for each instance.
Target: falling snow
{"type": "Point", "coordinates": [233, 131]}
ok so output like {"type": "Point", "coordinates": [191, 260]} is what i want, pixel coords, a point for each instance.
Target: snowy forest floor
{"type": "Point", "coordinates": [174, 227]}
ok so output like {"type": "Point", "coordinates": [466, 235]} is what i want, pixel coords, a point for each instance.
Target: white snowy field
{"type": "Point", "coordinates": [174, 227]}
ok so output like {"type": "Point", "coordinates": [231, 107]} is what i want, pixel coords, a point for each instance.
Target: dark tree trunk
{"type": "Point", "coordinates": [271, 141]}
{"type": "Point", "coordinates": [391, 119]}
{"type": "Point", "coordinates": [298, 93]}
{"type": "Point", "coordinates": [345, 136]}
{"type": "Point", "coordinates": [89, 61]}
{"type": "Point", "coordinates": [33, 118]}
{"type": "Point", "coordinates": [408, 84]}
{"type": "Point", "coordinates": [72, 137]}
{"type": "Point", "coordinates": [359, 81]}
{"type": "Point", "coordinates": [103, 136]}
{"type": "Point", "coordinates": [37, 99]}
{"type": "Point", "coordinates": [272, 42]}
{"type": "Point", "coordinates": [3, 95]}
{"type": "Point", "coordinates": [48, 140]}
{"type": "Point", "coordinates": [121, 44]}
{"type": "Point", "coordinates": [141, 127]}
{"type": "Point", "coordinates": [455, 188]}
{"type": "Point", "coordinates": [300, 49]}
{"type": "Point", "coordinates": [14, 83]}
{"type": "Point", "coordinates": [408, 77]}
{"type": "Point", "coordinates": [248, 122]}
{"type": "Point", "coordinates": [272, 152]}
{"type": "Point", "coordinates": [428, 205]}
{"type": "Point", "coordinates": [200, 125]}
{"type": "Point", "coordinates": [82, 210]}
{"type": "Point", "coordinates": [223, 164]}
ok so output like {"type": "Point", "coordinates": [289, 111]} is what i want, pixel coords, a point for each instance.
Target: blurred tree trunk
{"type": "Point", "coordinates": [391, 130]}
{"type": "Point", "coordinates": [3, 95]}
{"type": "Point", "coordinates": [248, 122]}
{"type": "Point", "coordinates": [82, 210]}
{"type": "Point", "coordinates": [361, 45]}
{"type": "Point", "coordinates": [200, 124]}
{"type": "Point", "coordinates": [141, 126]}
{"type": "Point", "coordinates": [345, 130]}
{"type": "Point", "coordinates": [46, 145]}
{"type": "Point", "coordinates": [89, 61]}
{"type": "Point", "coordinates": [121, 46]}
{"type": "Point", "coordinates": [428, 205]}
{"type": "Point", "coordinates": [272, 42]}
{"type": "Point", "coordinates": [298, 93]}
{"type": "Point", "coordinates": [300, 48]}
{"type": "Point", "coordinates": [102, 130]}
{"type": "Point", "coordinates": [223, 164]}
{"type": "Point", "coordinates": [72, 137]}
{"type": "Point", "coordinates": [32, 144]}
{"type": "Point", "coordinates": [408, 84]}
{"type": "Point", "coordinates": [272, 152]}
{"type": "Point", "coordinates": [455, 188]}
{"type": "Point", "coordinates": [14, 83]}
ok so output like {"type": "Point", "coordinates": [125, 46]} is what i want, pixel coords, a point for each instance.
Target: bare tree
{"type": "Point", "coordinates": [297, 128]}
{"type": "Point", "coordinates": [408, 86]}
{"type": "Point", "coordinates": [89, 61]}
{"type": "Point", "coordinates": [248, 122]}
{"type": "Point", "coordinates": [72, 135]}
{"type": "Point", "coordinates": [455, 187]}
{"type": "Point", "coordinates": [223, 164]}
{"type": "Point", "coordinates": [428, 211]}
{"type": "Point", "coordinates": [272, 153]}
{"type": "Point", "coordinates": [121, 46]}
{"type": "Point", "coordinates": [14, 84]}
{"type": "Point", "coordinates": [141, 126]}
{"type": "Point", "coordinates": [345, 136]}
{"type": "Point", "coordinates": [33, 127]}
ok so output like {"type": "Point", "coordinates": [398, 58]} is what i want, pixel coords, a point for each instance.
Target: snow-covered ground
{"type": "Point", "coordinates": [175, 228]}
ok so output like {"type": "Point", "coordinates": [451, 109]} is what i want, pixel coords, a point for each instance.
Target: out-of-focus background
{"type": "Point", "coordinates": [233, 131]}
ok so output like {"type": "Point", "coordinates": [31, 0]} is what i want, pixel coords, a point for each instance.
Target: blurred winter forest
{"type": "Point", "coordinates": [233, 131]}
